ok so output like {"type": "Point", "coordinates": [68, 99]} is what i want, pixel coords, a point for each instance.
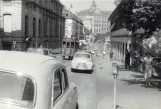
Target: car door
{"type": "Point", "coordinates": [57, 90]}
{"type": "Point", "coordinates": [59, 98]}
{"type": "Point", "coordinates": [70, 92]}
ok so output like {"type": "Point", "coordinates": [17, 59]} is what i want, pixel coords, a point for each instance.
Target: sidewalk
{"type": "Point", "coordinates": [131, 93]}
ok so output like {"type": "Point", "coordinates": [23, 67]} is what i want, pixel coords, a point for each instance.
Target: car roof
{"type": "Point", "coordinates": [34, 65]}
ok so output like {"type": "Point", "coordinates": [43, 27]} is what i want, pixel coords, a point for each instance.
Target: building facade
{"type": "Point", "coordinates": [31, 23]}
{"type": "Point", "coordinates": [95, 19]}
{"type": "Point", "coordinates": [73, 25]}
{"type": "Point", "coordinates": [120, 38]}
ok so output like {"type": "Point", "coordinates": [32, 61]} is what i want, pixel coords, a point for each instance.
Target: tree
{"type": "Point", "coordinates": [139, 14]}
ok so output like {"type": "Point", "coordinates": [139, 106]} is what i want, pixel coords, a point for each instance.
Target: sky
{"type": "Point", "coordinates": [78, 5]}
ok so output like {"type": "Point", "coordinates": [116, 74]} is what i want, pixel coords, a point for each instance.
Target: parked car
{"type": "Point", "coordinates": [34, 81]}
{"type": "Point", "coordinates": [43, 51]}
{"type": "Point", "coordinates": [82, 61]}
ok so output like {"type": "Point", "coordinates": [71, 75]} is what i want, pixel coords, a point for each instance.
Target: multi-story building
{"type": "Point", "coordinates": [31, 23]}
{"type": "Point", "coordinates": [95, 19]}
{"type": "Point", "coordinates": [73, 25]}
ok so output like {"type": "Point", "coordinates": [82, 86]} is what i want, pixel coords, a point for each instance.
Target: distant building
{"type": "Point", "coordinates": [31, 23]}
{"type": "Point", "coordinates": [95, 19]}
{"type": "Point", "coordinates": [73, 25]}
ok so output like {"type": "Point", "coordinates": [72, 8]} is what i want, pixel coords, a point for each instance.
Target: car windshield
{"type": "Point", "coordinates": [16, 89]}
{"type": "Point", "coordinates": [81, 55]}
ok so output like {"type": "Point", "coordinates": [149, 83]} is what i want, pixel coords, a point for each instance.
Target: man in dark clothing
{"type": "Point", "coordinates": [111, 55]}
{"type": "Point", "coordinates": [127, 60]}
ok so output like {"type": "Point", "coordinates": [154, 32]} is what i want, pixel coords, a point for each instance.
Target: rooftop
{"type": "Point", "coordinates": [92, 10]}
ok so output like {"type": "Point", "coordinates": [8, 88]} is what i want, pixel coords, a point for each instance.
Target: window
{"type": "Point", "coordinates": [39, 28]}
{"type": "Point", "coordinates": [18, 89]}
{"type": "Point", "coordinates": [68, 44]}
{"type": "Point", "coordinates": [81, 55]}
{"type": "Point", "coordinates": [7, 23]}
{"type": "Point", "coordinates": [45, 52]}
{"type": "Point", "coordinates": [64, 43]}
{"type": "Point", "coordinates": [34, 27]}
{"type": "Point", "coordinates": [57, 85]}
{"type": "Point", "coordinates": [72, 44]}
{"type": "Point", "coordinates": [65, 76]}
{"type": "Point", "coordinates": [26, 26]}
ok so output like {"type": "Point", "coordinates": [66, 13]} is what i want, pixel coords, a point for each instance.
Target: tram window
{"type": "Point", "coordinates": [72, 44]}
{"type": "Point", "coordinates": [68, 44]}
{"type": "Point", "coordinates": [63, 43]}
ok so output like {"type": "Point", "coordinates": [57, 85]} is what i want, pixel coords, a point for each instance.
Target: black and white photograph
{"type": "Point", "coordinates": [80, 54]}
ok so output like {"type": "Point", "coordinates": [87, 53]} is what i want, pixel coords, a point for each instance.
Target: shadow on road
{"type": "Point", "coordinates": [133, 81]}
{"type": "Point", "coordinates": [137, 76]}
{"type": "Point", "coordinates": [139, 79]}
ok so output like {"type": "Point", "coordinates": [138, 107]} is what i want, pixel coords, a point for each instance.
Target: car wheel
{"type": "Point", "coordinates": [77, 106]}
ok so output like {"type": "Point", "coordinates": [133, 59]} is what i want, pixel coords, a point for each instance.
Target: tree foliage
{"type": "Point", "coordinates": [139, 14]}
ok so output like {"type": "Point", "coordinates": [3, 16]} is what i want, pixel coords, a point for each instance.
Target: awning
{"type": "Point", "coordinates": [125, 32]}
{"type": "Point", "coordinates": [120, 32]}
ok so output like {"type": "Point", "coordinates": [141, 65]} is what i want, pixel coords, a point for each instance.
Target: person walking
{"type": "Point", "coordinates": [111, 55]}
{"type": "Point", "coordinates": [148, 69]}
{"type": "Point", "coordinates": [127, 60]}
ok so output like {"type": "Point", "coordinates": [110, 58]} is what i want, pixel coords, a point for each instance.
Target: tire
{"type": "Point", "coordinates": [77, 106]}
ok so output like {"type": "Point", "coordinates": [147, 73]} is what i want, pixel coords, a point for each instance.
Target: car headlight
{"type": "Point", "coordinates": [74, 63]}
{"type": "Point", "coordinates": [89, 64]}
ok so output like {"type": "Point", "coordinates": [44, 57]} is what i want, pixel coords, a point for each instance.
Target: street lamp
{"type": "Point", "coordinates": [115, 75]}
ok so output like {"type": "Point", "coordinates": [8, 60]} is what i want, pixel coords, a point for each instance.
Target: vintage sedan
{"type": "Point", "coordinates": [82, 61]}
{"type": "Point", "coordinates": [34, 81]}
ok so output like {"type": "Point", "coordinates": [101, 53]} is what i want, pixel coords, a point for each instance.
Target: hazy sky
{"type": "Point", "coordinates": [78, 5]}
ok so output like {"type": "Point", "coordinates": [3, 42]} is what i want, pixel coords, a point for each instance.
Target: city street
{"type": "Point", "coordinates": [96, 89]}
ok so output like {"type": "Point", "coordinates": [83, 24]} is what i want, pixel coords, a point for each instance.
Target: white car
{"type": "Point", "coordinates": [34, 81]}
{"type": "Point", "coordinates": [82, 61]}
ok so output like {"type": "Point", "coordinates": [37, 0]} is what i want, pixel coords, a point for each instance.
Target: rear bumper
{"type": "Point", "coordinates": [75, 68]}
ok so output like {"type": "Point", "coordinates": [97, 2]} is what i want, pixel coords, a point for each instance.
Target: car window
{"type": "Point", "coordinates": [65, 77]}
{"type": "Point", "coordinates": [17, 89]}
{"type": "Point", "coordinates": [57, 85]}
{"type": "Point", "coordinates": [45, 52]}
{"type": "Point", "coordinates": [81, 55]}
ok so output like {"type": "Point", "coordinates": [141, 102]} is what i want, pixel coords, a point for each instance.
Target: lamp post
{"type": "Point", "coordinates": [115, 75]}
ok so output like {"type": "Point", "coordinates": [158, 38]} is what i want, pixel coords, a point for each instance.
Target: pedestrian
{"type": "Point", "coordinates": [111, 55]}
{"type": "Point", "coordinates": [127, 60]}
{"type": "Point", "coordinates": [148, 68]}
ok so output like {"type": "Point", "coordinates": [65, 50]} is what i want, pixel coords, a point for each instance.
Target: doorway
{"type": "Point", "coordinates": [7, 46]}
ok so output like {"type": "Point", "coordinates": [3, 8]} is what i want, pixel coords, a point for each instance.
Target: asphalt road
{"type": "Point", "coordinates": [86, 84]}
{"type": "Point", "coordinates": [96, 90]}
